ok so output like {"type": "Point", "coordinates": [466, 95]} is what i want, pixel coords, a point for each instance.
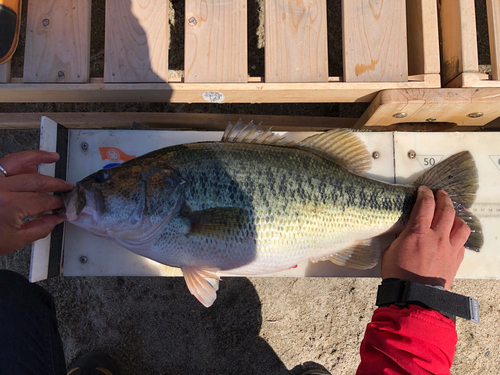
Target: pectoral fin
{"type": "Point", "coordinates": [217, 222]}
{"type": "Point", "coordinates": [362, 256]}
{"type": "Point", "coordinates": [203, 283]}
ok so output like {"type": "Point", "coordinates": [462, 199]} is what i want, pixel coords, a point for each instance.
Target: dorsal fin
{"type": "Point", "coordinates": [341, 146]}
{"type": "Point", "coordinates": [241, 133]}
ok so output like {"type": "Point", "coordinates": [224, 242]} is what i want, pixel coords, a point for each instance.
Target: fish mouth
{"type": "Point", "coordinates": [85, 207]}
{"type": "Point", "coordinates": [82, 205]}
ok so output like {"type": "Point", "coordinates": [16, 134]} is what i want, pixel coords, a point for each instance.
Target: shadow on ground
{"type": "Point", "coordinates": [153, 325]}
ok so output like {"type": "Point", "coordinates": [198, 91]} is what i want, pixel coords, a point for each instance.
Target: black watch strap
{"type": "Point", "coordinates": [404, 292]}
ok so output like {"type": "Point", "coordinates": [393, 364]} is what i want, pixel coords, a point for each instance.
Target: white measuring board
{"type": "Point", "coordinates": [430, 149]}
{"type": "Point", "coordinates": [104, 147]}
{"type": "Point", "coordinates": [40, 249]}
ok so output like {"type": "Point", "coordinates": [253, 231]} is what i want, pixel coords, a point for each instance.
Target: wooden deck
{"type": "Point", "coordinates": [391, 59]}
{"type": "Point", "coordinates": [460, 66]}
{"type": "Point", "coordinates": [386, 45]}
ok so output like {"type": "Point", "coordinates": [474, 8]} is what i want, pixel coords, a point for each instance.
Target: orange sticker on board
{"type": "Point", "coordinates": [114, 154]}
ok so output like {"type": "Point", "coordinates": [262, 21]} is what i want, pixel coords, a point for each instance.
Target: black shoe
{"type": "Point", "coordinates": [94, 363]}
{"type": "Point", "coordinates": [10, 23]}
{"type": "Point", "coordinates": [316, 372]}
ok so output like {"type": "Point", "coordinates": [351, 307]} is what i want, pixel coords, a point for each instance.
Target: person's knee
{"type": "Point", "coordinates": [11, 281]}
{"type": "Point", "coordinates": [16, 289]}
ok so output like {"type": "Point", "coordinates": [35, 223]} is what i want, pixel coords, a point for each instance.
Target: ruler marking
{"type": "Point", "coordinates": [486, 209]}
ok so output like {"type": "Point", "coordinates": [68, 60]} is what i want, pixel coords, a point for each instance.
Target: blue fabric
{"type": "Point", "coordinates": [29, 338]}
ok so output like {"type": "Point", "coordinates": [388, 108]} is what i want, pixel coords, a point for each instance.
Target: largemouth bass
{"type": "Point", "coordinates": [255, 204]}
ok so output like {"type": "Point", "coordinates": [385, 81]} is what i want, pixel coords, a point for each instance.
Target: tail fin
{"type": "Point", "coordinates": [476, 240]}
{"type": "Point", "coordinates": [458, 176]}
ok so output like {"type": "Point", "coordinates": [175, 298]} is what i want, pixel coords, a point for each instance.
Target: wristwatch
{"type": "Point", "coordinates": [404, 292]}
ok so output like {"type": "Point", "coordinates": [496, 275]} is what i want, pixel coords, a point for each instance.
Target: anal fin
{"type": "Point", "coordinates": [203, 283]}
{"type": "Point", "coordinates": [362, 256]}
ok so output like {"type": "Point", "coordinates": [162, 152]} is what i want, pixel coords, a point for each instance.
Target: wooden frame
{"type": "Point", "coordinates": [460, 67]}
{"type": "Point", "coordinates": [177, 91]}
{"type": "Point", "coordinates": [186, 121]}
{"type": "Point", "coordinates": [450, 106]}
{"type": "Point", "coordinates": [437, 109]}
{"type": "Point", "coordinates": [132, 79]}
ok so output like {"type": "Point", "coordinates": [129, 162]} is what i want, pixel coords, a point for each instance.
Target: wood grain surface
{"type": "Point", "coordinates": [493, 10]}
{"type": "Point", "coordinates": [57, 41]}
{"type": "Point", "coordinates": [423, 37]}
{"type": "Point", "coordinates": [5, 72]}
{"type": "Point", "coordinates": [459, 39]}
{"type": "Point", "coordinates": [374, 40]}
{"type": "Point", "coordinates": [198, 121]}
{"type": "Point", "coordinates": [439, 105]}
{"type": "Point", "coordinates": [136, 41]}
{"type": "Point", "coordinates": [296, 41]}
{"type": "Point", "coordinates": [216, 41]}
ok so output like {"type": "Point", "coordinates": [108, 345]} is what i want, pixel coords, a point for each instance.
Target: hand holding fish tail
{"type": "Point", "coordinates": [23, 194]}
{"type": "Point", "coordinates": [431, 247]}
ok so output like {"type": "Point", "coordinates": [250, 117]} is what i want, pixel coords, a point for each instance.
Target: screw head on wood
{"type": "Point", "coordinates": [475, 114]}
{"type": "Point", "coordinates": [400, 115]}
{"type": "Point", "coordinates": [84, 146]}
{"type": "Point", "coordinates": [430, 119]}
{"type": "Point", "coordinates": [45, 22]}
{"type": "Point", "coordinates": [83, 259]}
{"type": "Point", "coordinates": [412, 154]}
{"type": "Point", "coordinates": [375, 155]}
{"type": "Point", "coordinates": [192, 22]}
{"type": "Point", "coordinates": [60, 74]}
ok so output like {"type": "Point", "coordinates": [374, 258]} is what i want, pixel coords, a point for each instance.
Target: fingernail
{"type": "Point", "coordinates": [422, 188]}
{"type": "Point", "coordinates": [54, 153]}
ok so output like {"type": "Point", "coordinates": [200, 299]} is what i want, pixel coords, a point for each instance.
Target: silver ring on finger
{"type": "Point", "coordinates": [2, 169]}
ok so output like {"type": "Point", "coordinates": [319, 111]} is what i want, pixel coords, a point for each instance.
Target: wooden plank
{"type": "Point", "coordinates": [473, 80]}
{"type": "Point", "coordinates": [197, 121]}
{"type": "Point", "coordinates": [493, 10]}
{"type": "Point", "coordinates": [208, 121]}
{"type": "Point", "coordinates": [136, 41]}
{"type": "Point", "coordinates": [215, 48]}
{"type": "Point", "coordinates": [57, 41]}
{"type": "Point", "coordinates": [441, 105]}
{"type": "Point", "coordinates": [204, 92]}
{"type": "Point", "coordinates": [432, 80]}
{"type": "Point", "coordinates": [423, 36]}
{"type": "Point", "coordinates": [5, 72]}
{"type": "Point", "coordinates": [296, 41]}
{"type": "Point", "coordinates": [374, 41]}
{"type": "Point", "coordinates": [459, 41]}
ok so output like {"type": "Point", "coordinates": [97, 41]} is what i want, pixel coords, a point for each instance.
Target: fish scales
{"type": "Point", "coordinates": [297, 204]}
{"type": "Point", "coordinates": [251, 205]}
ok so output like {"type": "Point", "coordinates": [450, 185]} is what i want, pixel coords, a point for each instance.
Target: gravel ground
{"type": "Point", "coordinates": [257, 325]}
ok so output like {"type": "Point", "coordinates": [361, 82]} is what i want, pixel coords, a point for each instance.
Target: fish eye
{"type": "Point", "coordinates": [102, 176]}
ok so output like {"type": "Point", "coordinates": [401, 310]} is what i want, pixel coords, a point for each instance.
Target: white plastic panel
{"type": "Point", "coordinates": [104, 258]}
{"type": "Point", "coordinates": [430, 148]}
